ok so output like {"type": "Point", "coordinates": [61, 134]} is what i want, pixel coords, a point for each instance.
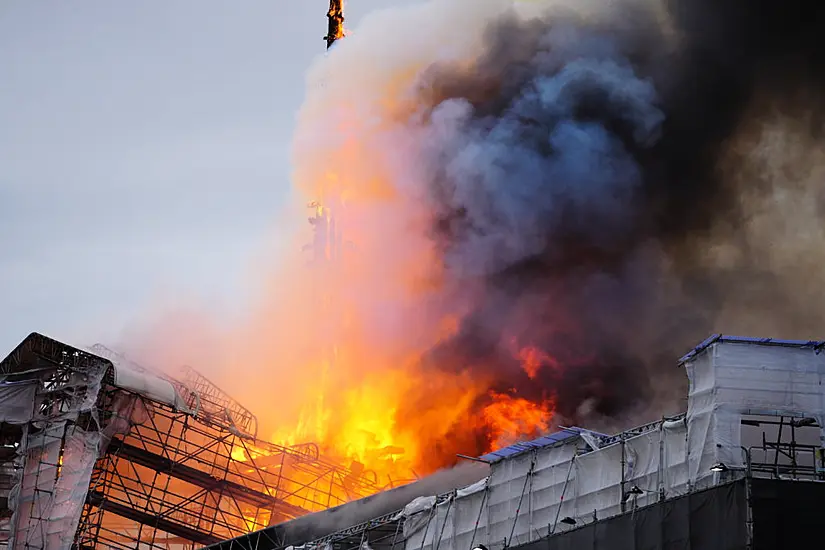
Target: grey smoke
{"type": "Point", "coordinates": [516, 171]}
{"type": "Point", "coordinates": [320, 524]}
{"type": "Point", "coordinates": [588, 184]}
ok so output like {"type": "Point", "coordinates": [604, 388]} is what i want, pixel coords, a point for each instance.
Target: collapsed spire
{"type": "Point", "coordinates": [336, 22]}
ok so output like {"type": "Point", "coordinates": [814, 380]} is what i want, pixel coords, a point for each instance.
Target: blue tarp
{"type": "Point", "coordinates": [814, 344]}
{"type": "Point", "coordinates": [544, 441]}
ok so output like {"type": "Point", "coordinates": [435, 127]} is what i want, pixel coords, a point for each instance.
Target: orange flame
{"type": "Point", "coordinates": [510, 417]}
{"type": "Point", "coordinates": [335, 351]}
{"type": "Point", "coordinates": [336, 21]}
{"type": "Point", "coordinates": [255, 520]}
{"type": "Point", "coordinates": [533, 359]}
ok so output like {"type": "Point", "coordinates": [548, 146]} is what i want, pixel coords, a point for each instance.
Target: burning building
{"type": "Point", "coordinates": [519, 217]}
{"type": "Point", "coordinates": [335, 16]}
{"type": "Point", "coordinates": [742, 468]}
{"type": "Point", "coordinates": [518, 223]}
{"type": "Point", "coordinates": [99, 452]}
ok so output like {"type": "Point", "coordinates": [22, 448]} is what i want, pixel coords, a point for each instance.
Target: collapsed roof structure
{"type": "Point", "coordinates": [727, 474]}
{"type": "Point", "coordinates": [99, 452]}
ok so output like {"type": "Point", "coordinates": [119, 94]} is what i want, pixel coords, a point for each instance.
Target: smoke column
{"type": "Point", "coordinates": [544, 207]}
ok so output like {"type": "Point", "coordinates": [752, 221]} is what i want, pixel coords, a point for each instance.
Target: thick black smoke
{"type": "Point", "coordinates": [578, 171]}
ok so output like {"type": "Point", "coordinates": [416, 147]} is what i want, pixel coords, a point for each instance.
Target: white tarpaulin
{"type": "Point", "coordinates": [733, 377]}
{"type": "Point", "coordinates": [588, 478]}
{"type": "Point", "coordinates": [148, 385]}
{"type": "Point", "coordinates": [17, 402]}
{"type": "Point", "coordinates": [54, 460]}
{"type": "Point", "coordinates": [134, 378]}
{"type": "Point", "coordinates": [526, 496]}
{"type": "Point", "coordinates": [53, 491]}
{"type": "Point", "coordinates": [417, 514]}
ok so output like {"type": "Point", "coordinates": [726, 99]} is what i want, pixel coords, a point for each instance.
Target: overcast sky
{"type": "Point", "coordinates": [143, 152]}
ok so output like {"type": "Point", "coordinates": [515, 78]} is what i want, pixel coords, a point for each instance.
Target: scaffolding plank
{"type": "Point", "coordinates": [202, 479]}
{"type": "Point", "coordinates": [159, 522]}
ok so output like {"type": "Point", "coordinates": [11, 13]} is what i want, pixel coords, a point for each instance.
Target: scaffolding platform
{"type": "Point", "coordinates": [743, 467]}
{"type": "Point", "coordinates": [99, 452]}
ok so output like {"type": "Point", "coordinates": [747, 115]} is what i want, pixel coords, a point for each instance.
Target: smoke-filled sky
{"type": "Point", "coordinates": [143, 153]}
{"type": "Point", "coordinates": [588, 190]}
{"type": "Point", "coordinates": [541, 209]}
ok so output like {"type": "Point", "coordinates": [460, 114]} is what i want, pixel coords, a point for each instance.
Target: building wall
{"type": "Point", "coordinates": [527, 494]}
{"type": "Point", "coordinates": [556, 488]}
{"type": "Point", "coordinates": [785, 514]}
{"type": "Point", "coordinates": [711, 519]}
{"type": "Point", "coordinates": [734, 377]}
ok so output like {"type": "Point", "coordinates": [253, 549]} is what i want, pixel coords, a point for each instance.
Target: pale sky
{"type": "Point", "coordinates": [143, 153]}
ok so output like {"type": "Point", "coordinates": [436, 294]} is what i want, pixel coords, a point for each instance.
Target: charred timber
{"type": "Point", "coordinates": [336, 22]}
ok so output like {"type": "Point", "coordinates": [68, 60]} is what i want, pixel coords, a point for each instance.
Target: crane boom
{"type": "Point", "coordinates": [336, 22]}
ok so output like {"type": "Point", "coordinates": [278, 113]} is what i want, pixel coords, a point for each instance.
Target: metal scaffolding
{"type": "Point", "coordinates": [779, 448]}
{"type": "Point", "coordinates": [147, 469]}
{"type": "Point", "coordinates": [783, 447]}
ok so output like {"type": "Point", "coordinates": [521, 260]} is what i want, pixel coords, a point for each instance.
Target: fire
{"type": "Point", "coordinates": [342, 347]}
{"type": "Point", "coordinates": [365, 425]}
{"type": "Point", "coordinates": [243, 453]}
{"type": "Point", "coordinates": [256, 520]}
{"type": "Point", "coordinates": [336, 21]}
{"type": "Point", "coordinates": [389, 425]}
{"type": "Point", "coordinates": [351, 328]}
{"type": "Point", "coordinates": [239, 454]}
{"type": "Point", "coordinates": [534, 359]}
{"type": "Point", "coordinates": [509, 417]}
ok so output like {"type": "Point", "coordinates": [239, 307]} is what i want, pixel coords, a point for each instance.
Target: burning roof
{"type": "Point", "coordinates": [118, 452]}
{"type": "Point", "coordinates": [519, 224]}
{"type": "Point", "coordinates": [743, 392]}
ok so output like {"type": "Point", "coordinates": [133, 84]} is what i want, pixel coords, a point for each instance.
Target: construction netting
{"type": "Point", "coordinates": [585, 479]}
{"type": "Point", "coordinates": [732, 378]}
{"type": "Point", "coordinates": [17, 400]}
{"type": "Point", "coordinates": [525, 498]}
{"type": "Point", "coordinates": [55, 455]}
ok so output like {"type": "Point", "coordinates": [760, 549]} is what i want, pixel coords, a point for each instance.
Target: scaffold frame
{"type": "Point", "coordinates": [177, 474]}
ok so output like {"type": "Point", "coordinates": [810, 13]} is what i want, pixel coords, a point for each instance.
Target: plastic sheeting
{"type": "Point", "coordinates": [588, 479]}
{"type": "Point", "coordinates": [54, 460]}
{"type": "Point", "coordinates": [786, 514]}
{"type": "Point", "coordinates": [62, 436]}
{"type": "Point", "coordinates": [51, 497]}
{"type": "Point", "coordinates": [418, 514]}
{"type": "Point", "coordinates": [134, 378]}
{"type": "Point", "coordinates": [149, 385]}
{"type": "Point", "coordinates": [730, 378]}
{"type": "Point", "coordinates": [539, 443]}
{"type": "Point", "coordinates": [526, 496]}
{"type": "Point", "coordinates": [714, 519]}
{"type": "Point", "coordinates": [17, 400]}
